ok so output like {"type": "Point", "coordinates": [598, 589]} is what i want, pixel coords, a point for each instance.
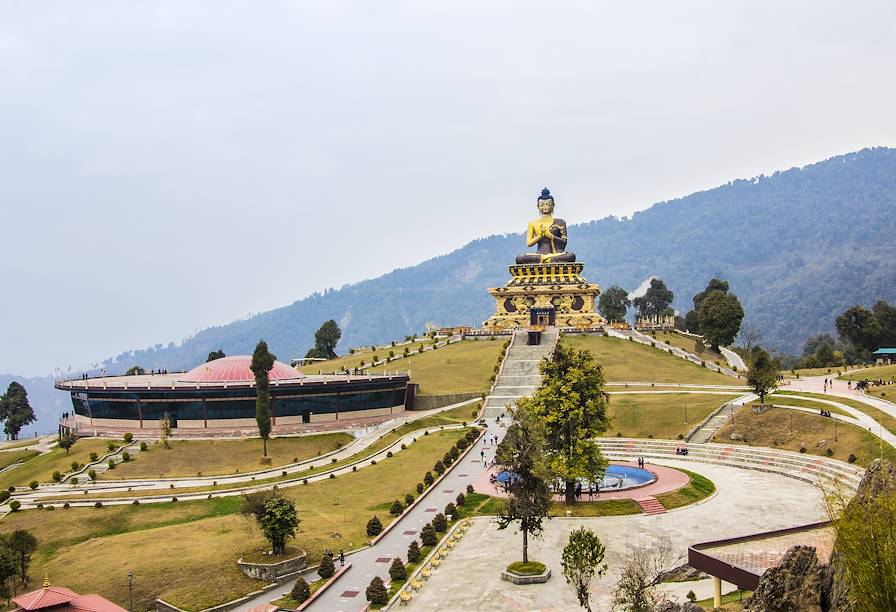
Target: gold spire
{"type": "Point", "coordinates": [46, 579]}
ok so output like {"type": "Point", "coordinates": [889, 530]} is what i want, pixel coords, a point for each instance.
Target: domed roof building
{"type": "Point", "coordinates": [237, 369]}
{"type": "Point", "coordinates": [221, 394]}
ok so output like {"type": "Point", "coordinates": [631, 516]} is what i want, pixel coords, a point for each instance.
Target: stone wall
{"type": "Point", "coordinates": [271, 572]}
{"type": "Point", "coordinates": [429, 402]}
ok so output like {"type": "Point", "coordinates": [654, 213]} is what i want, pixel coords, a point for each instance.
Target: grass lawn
{"type": "Point", "coordinates": [10, 457]}
{"type": "Point", "coordinates": [804, 372]}
{"type": "Point", "coordinates": [462, 367]}
{"type": "Point", "coordinates": [186, 552]}
{"type": "Point", "coordinates": [354, 361]}
{"type": "Point", "coordinates": [887, 392]}
{"type": "Point", "coordinates": [219, 457]}
{"type": "Point", "coordinates": [18, 443]}
{"type": "Point", "coordinates": [660, 415]}
{"type": "Point", "coordinates": [813, 432]}
{"type": "Point", "coordinates": [605, 507]}
{"type": "Point", "coordinates": [885, 419]}
{"type": "Point", "coordinates": [690, 345]}
{"type": "Point", "coordinates": [873, 373]}
{"type": "Point", "coordinates": [41, 468]}
{"type": "Point", "coordinates": [786, 400]}
{"type": "Point", "coordinates": [624, 360]}
{"type": "Point", "coordinates": [699, 487]}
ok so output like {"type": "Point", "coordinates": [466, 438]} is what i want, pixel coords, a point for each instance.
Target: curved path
{"type": "Point", "coordinates": [469, 577]}
{"type": "Point", "coordinates": [154, 490]}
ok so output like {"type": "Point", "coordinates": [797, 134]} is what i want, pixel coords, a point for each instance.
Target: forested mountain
{"type": "Point", "coordinates": [798, 247]}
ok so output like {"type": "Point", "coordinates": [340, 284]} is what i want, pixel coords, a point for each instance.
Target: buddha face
{"type": "Point", "coordinates": [546, 206]}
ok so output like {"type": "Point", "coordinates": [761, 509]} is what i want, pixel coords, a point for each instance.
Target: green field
{"type": "Point", "coordinates": [354, 360]}
{"type": "Point", "coordinates": [887, 372]}
{"type": "Point", "coordinates": [217, 457]}
{"type": "Point", "coordinates": [660, 415]}
{"type": "Point", "coordinates": [699, 487]}
{"type": "Point", "coordinates": [882, 417]}
{"type": "Point", "coordinates": [813, 432]}
{"type": "Point", "coordinates": [41, 468]}
{"type": "Point", "coordinates": [690, 345]}
{"type": "Point", "coordinates": [785, 400]}
{"type": "Point", "coordinates": [186, 552]}
{"type": "Point", "coordinates": [462, 367]}
{"type": "Point", "coordinates": [10, 457]}
{"type": "Point", "coordinates": [627, 361]}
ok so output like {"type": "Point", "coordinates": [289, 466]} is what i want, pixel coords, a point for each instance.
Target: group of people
{"type": "Point", "coordinates": [641, 462]}
{"type": "Point", "coordinates": [826, 413]}
{"type": "Point", "coordinates": [329, 553]}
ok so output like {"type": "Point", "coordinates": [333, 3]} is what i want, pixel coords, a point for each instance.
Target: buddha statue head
{"type": "Point", "coordinates": [546, 202]}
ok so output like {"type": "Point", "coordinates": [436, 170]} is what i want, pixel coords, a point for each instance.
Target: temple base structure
{"type": "Point", "coordinates": [545, 294]}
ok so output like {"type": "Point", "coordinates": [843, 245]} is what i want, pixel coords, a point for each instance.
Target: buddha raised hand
{"type": "Point", "coordinates": [548, 233]}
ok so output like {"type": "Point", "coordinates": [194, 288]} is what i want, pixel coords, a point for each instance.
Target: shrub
{"type": "Point", "coordinates": [57, 476]}
{"type": "Point", "coordinates": [413, 552]}
{"type": "Point", "coordinates": [376, 592]}
{"type": "Point", "coordinates": [426, 432]}
{"type": "Point", "coordinates": [829, 452]}
{"type": "Point", "coordinates": [112, 446]}
{"type": "Point", "coordinates": [396, 508]}
{"type": "Point", "coordinates": [428, 479]}
{"type": "Point", "coordinates": [852, 458]}
{"type": "Point", "coordinates": [450, 510]}
{"type": "Point", "coordinates": [74, 482]}
{"type": "Point", "coordinates": [40, 506]}
{"type": "Point", "coordinates": [98, 504]}
{"type": "Point", "coordinates": [143, 446]}
{"type": "Point", "coordinates": [354, 468]}
{"type": "Point", "coordinates": [300, 592]}
{"type": "Point", "coordinates": [802, 449]}
{"type": "Point", "coordinates": [692, 597]}
{"type": "Point", "coordinates": [461, 444]}
{"type": "Point", "coordinates": [408, 499]}
{"type": "Point", "coordinates": [14, 505]}
{"type": "Point", "coordinates": [374, 526]}
{"type": "Point", "coordinates": [326, 569]}
{"type": "Point", "coordinates": [428, 535]}
{"type": "Point", "coordinates": [4, 495]}
{"type": "Point", "coordinates": [50, 507]}
{"type": "Point", "coordinates": [33, 484]}
{"type": "Point", "coordinates": [470, 489]}
{"type": "Point", "coordinates": [129, 437]}
{"type": "Point", "coordinates": [454, 452]}
{"type": "Point", "coordinates": [681, 436]}
{"type": "Point", "coordinates": [461, 500]}
{"type": "Point", "coordinates": [136, 502]}
{"type": "Point", "coordinates": [65, 506]}
{"type": "Point", "coordinates": [439, 522]}
{"type": "Point", "coordinates": [93, 457]}
{"type": "Point", "coordinates": [403, 446]}
{"type": "Point", "coordinates": [305, 481]}
{"type": "Point", "coordinates": [125, 456]}
{"type": "Point", "coordinates": [91, 474]}
{"type": "Point", "coordinates": [389, 454]}
{"type": "Point", "coordinates": [11, 489]}
{"type": "Point", "coordinates": [397, 571]}
{"type": "Point", "coordinates": [75, 466]}
{"type": "Point", "coordinates": [332, 475]}
{"type": "Point", "coordinates": [111, 464]}
{"type": "Point", "coordinates": [420, 488]}
{"type": "Point", "coordinates": [373, 462]}
{"type": "Point", "coordinates": [332, 459]}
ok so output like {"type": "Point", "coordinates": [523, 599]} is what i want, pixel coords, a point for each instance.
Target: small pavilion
{"type": "Point", "coordinates": [884, 356]}
{"type": "Point", "coordinates": [59, 599]}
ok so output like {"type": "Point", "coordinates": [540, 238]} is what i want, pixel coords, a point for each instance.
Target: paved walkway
{"type": "Point", "coordinates": [748, 501]}
{"type": "Point", "coordinates": [347, 593]}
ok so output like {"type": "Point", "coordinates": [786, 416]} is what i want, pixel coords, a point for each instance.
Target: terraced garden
{"type": "Point", "coordinates": [643, 415]}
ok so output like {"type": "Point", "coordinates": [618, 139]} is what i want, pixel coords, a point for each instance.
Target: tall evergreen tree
{"type": "Point", "coordinates": [521, 454]}
{"type": "Point", "coordinates": [262, 362]}
{"type": "Point", "coordinates": [325, 340]}
{"type": "Point", "coordinates": [613, 303]}
{"type": "Point", "coordinates": [720, 315]}
{"type": "Point", "coordinates": [15, 410]}
{"type": "Point", "coordinates": [763, 373]}
{"type": "Point", "coordinates": [573, 405]}
{"type": "Point", "coordinates": [656, 300]}
{"type": "Point", "coordinates": [215, 355]}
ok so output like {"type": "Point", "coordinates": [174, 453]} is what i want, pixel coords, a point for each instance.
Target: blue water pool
{"type": "Point", "coordinates": [616, 478]}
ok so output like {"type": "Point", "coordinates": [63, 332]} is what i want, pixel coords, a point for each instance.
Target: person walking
{"type": "Point", "coordinates": [341, 558]}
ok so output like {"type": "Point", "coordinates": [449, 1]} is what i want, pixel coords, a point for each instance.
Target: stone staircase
{"type": "Point", "coordinates": [650, 505]}
{"type": "Point", "coordinates": [519, 375]}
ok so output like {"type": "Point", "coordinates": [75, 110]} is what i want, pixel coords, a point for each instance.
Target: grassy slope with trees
{"type": "Point", "coordinates": [624, 360]}
{"type": "Point", "coordinates": [186, 552]}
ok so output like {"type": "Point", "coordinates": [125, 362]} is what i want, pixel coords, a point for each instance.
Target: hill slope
{"type": "Point", "coordinates": [797, 246]}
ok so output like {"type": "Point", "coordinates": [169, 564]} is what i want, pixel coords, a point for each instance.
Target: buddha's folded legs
{"type": "Point", "coordinates": [537, 258]}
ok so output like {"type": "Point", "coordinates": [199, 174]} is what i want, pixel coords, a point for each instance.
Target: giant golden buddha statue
{"type": "Point", "coordinates": [547, 234]}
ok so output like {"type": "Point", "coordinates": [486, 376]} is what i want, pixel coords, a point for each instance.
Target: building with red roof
{"type": "Point", "coordinates": [57, 599]}
{"type": "Point", "coordinates": [221, 394]}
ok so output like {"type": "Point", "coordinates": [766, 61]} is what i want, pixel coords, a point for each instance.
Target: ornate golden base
{"type": "Point", "coordinates": [557, 290]}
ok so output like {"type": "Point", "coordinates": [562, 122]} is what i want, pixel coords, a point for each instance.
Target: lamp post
{"type": "Point", "coordinates": [131, 591]}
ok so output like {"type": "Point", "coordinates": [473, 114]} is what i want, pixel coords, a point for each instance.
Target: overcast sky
{"type": "Point", "coordinates": [165, 166]}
